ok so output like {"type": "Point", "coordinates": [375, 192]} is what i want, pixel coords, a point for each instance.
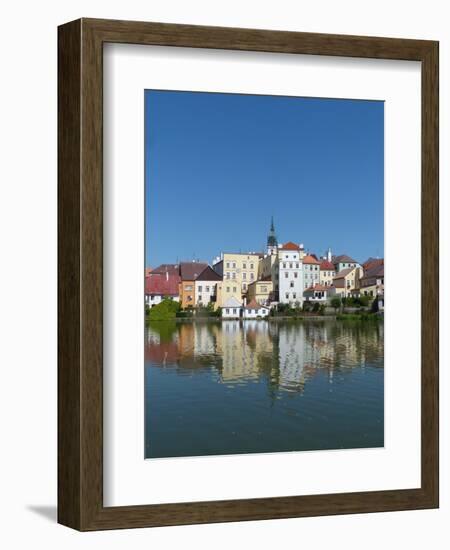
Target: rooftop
{"type": "Point", "coordinates": [344, 258]}
{"type": "Point", "coordinates": [310, 259]}
{"type": "Point", "coordinates": [189, 271]}
{"type": "Point", "coordinates": [208, 274]}
{"type": "Point", "coordinates": [162, 284]}
{"type": "Point", "coordinates": [343, 273]}
{"type": "Point", "coordinates": [289, 246]}
{"type": "Point", "coordinates": [232, 302]}
{"type": "Point", "coordinates": [254, 305]}
{"type": "Point", "coordinates": [325, 265]}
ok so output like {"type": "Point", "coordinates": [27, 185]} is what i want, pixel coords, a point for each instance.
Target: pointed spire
{"type": "Point", "coordinates": [272, 242]}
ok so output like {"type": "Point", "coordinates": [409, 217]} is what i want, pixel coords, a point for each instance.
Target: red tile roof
{"type": "Point", "coordinates": [254, 305]}
{"type": "Point", "coordinates": [310, 259]}
{"type": "Point", "coordinates": [162, 284]}
{"type": "Point", "coordinates": [172, 269]}
{"type": "Point", "coordinates": [290, 246]}
{"type": "Point", "coordinates": [372, 262]}
{"type": "Point", "coordinates": [325, 265]}
{"type": "Point", "coordinates": [318, 287]}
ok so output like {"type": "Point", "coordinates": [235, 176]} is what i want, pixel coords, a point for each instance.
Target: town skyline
{"type": "Point", "coordinates": [218, 166]}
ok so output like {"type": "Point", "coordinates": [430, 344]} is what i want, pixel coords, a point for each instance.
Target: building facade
{"type": "Point", "coordinates": [232, 309]}
{"type": "Point", "coordinates": [260, 291]}
{"type": "Point", "coordinates": [290, 274]}
{"type": "Point", "coordinates": [206, 287]}
{"type": "Point", "coordinates": [239, 269]}
{"type": "Point", "coordinates": [254, 310]}
{"type": "Point", "coordinates": [189, 271]}
{"type": "Point", "coordinates": [311, 271]}
{"type": "Point", "coordinates": [327, 272]}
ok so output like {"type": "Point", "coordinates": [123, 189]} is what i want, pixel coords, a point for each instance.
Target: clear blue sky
{"type": "Point", "coordinates": [218, 166]}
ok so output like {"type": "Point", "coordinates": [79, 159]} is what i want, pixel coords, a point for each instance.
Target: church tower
{"type": "Point", "coordinates": [272, 243]}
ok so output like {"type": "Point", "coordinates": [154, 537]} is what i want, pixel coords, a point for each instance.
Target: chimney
{"type": "Point", "coordinates": [167, 275]}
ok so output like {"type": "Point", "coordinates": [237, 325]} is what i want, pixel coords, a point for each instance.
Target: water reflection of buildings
{"type": "Point", "coordinates": [286, 354]}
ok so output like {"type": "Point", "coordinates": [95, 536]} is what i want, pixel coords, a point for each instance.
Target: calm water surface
{"type": "Point", "coordinates": [232, 387]}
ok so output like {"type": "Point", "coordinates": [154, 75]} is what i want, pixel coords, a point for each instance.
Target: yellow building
{"type": "Point", "coordinates": [260, 291]}
{"type": "Point", "coordinates": [327, 273]}
{"type": "Point", "coordinates": [347, 281]}
{"type": "Point", "coordinates": [237, 269]}
{"type": "Point", "coordinates": [226, 290]}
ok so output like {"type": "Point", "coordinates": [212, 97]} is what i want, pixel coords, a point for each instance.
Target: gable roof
{"type": "Point", "coordinates": [325, 265]}
{"type": "Point", "coordinates": [254, 305]}
{"type": "Point", "coordinates": [372, 262]}
{"type": "Point", "coordinates": [208, 274]}
{"type": "Point", "coordinates": [310, 259]}
{"type": "Point", "coordinates": [162, 284]}
{"type": "Point", "coordinates": [172, 269]}
{"type": "Point", "coordinates": [189, 271]}
{"type": "Point", "coordinates": [289, 246]}
{"type": "Point", "coordinates": [318, 287]}
{"type": "Point", "coordinates": [232, 302]}
{"type": "Point", "coordinates": [343, 273]}
{"type": "Point", "coordinates": [375, 271]}
{"type": "Point", "coordinates": [344, 258]}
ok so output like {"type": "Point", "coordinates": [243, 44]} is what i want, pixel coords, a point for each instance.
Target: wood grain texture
{"type": "Point", "coordinates": [80, 294]}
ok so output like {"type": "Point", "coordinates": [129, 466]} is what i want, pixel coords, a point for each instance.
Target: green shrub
{"type": "Point", "coordinates": [164, 311]}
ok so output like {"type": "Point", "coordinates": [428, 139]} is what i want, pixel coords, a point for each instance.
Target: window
{"type": "Point", "coordinates": [263, 289]}
{"type": "Point", "coordinates": [284, 265]}
{"type": "Point", "coordinates": [228, 265]}
{"type": "Point", "coordinates": [234, 289]}
{"type": "Point", "coordinates": [244, 275]}
{"type": "Point", "coordinates": [228, 274]}
{"type": "Point", "coordinates": [286, 275]}
{"type": "Point", "coordinates": [292, 284]}
{"type": "Point", "coordinates": [290, 265]}
{"type": "Point", "coordinates": [294, 295]}
{"type": "Point", "coordinates": [234, 310]}
{"type": "Point", "coordinates": [295, 275]}
{"type": "Point", "coordinates": [252, 276]}
{"type": "Point", "coordinates": [244, 266]}
{"type": "Point", "coordinates": [234, 275]}
{"type": "Point", "coordinates": [228, 289]}
{"type": "Point", "coordinates": [227, 310]}
{"type": "Point", "coordinates": [188, 287]}
{"type": "Point", "coordinates": [244, 286]}
{"type": "Point", "coordinates": [207, 289]}
{"type": "Point", "coordinates": [297, 265]}
{"type": "Point", "coordinates": [251, 266]}
{"type": "Point", "coordinates": [234, 265]}
{"type": "Point", "coordinates": [287, 295]}
{"type": "Point", "coordinates": [199, 288]}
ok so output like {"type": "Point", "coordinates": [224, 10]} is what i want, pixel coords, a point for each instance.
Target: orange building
{"type": "Point", "coordinates": [189, 271]}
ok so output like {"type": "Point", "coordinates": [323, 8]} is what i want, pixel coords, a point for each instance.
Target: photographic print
{"type": "Point", "coordinates": [264, 274]}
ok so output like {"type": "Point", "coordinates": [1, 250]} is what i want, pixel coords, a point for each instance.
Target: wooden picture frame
{"type": "Point", "coordinates": [80, 272]}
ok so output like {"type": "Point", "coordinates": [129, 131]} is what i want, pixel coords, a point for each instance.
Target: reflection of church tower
{"type": "Point", "coordinates": [272, 243]}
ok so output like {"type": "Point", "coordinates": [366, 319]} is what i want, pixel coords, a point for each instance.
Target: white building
{"type": "Point", "coordinates": [311, 271]}
{"type": "Point", "coordinates": [253, 310]}
{"type": "Point", "coordinates": [231, 309]}
{"type": "Point", "coordinates": [290, 274]}
{"type": "Point", "coordinates": [206, 287]}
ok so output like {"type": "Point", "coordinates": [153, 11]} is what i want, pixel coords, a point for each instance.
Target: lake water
{"type": "Point", "coordinates": [227, 387]}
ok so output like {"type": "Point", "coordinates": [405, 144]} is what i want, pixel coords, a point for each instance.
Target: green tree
{"type": "Point", "coordinates": [164, 311]}
{"type": "Point", "coordinates": [336, 302]}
